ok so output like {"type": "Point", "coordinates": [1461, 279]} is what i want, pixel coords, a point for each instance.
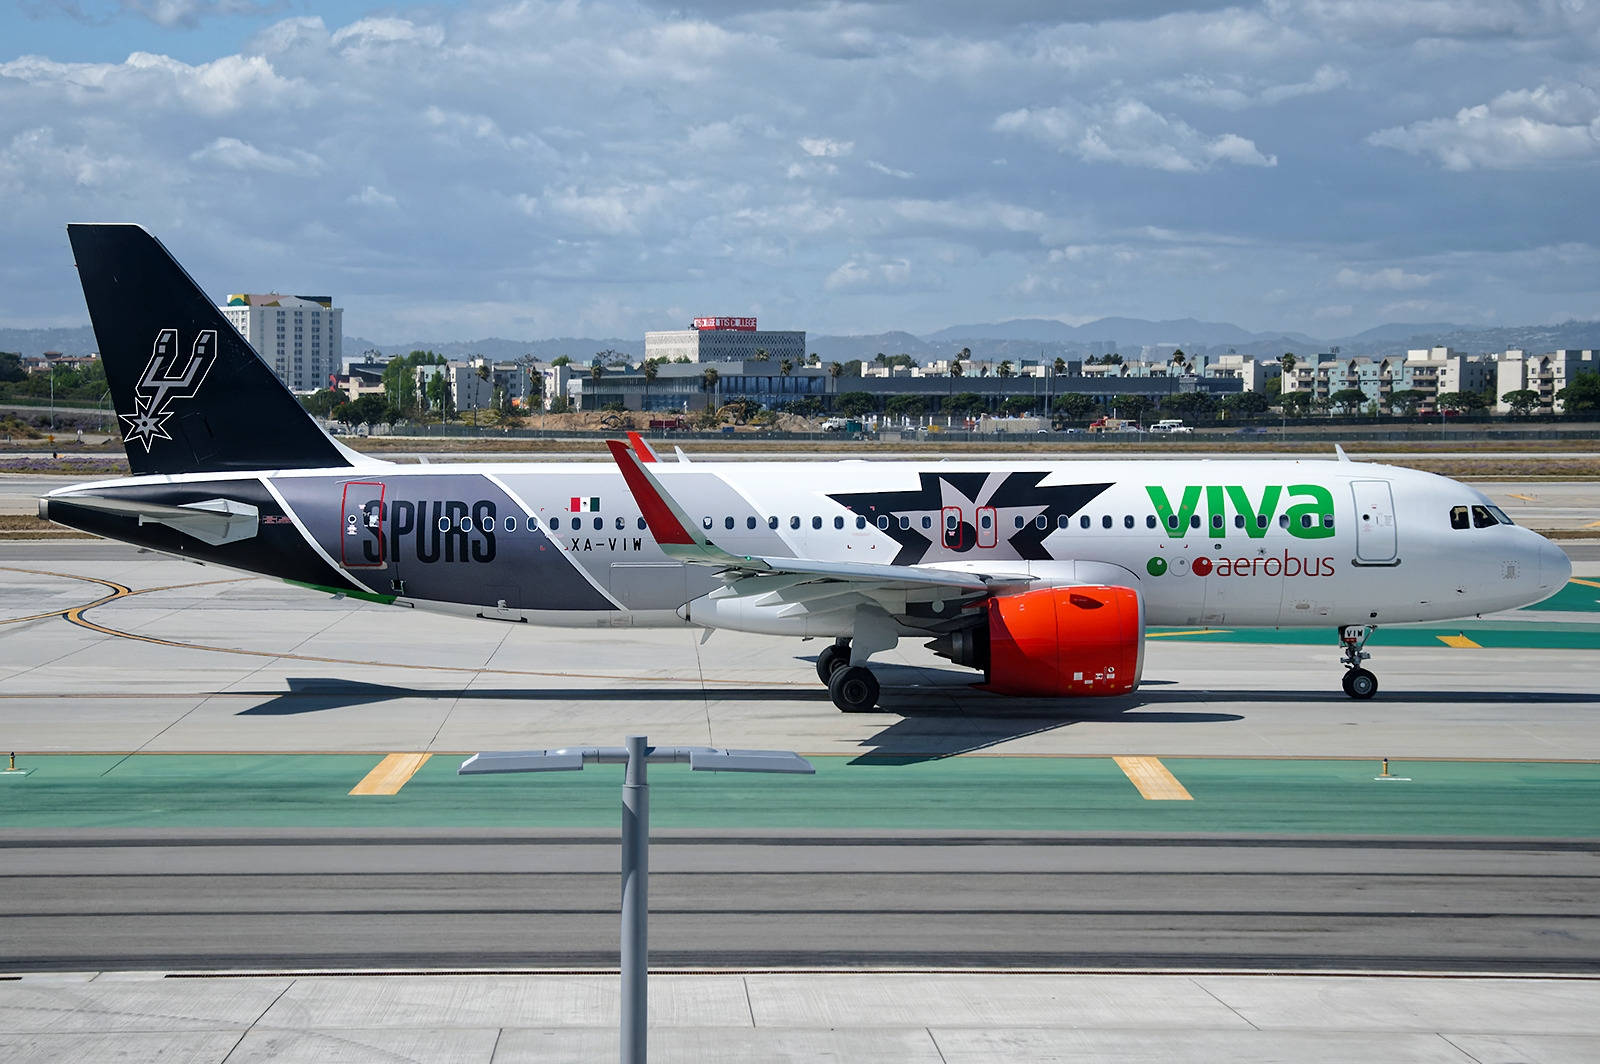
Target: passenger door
{"type": "Point", "coordinates": [362, 539]}
{"type": "Point", "coordinates": [1376, 539]}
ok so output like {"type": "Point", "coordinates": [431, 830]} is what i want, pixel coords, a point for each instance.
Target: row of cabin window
{"type": "Point", "coordinates": [1458, 519]}
{"type": "Point", "coordinates": [951, 522]}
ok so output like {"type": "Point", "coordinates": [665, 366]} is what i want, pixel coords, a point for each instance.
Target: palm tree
{"type": "Point", "coordinates": [785, 367]}
{"type": "Point", "coordinates": [708, 380]}
{"type": "Point", "coordinates": [1060, 366]}
{"type": "Point", "coordinates": [956, 369]}
{"type": "Point", "coordinates": [650, 370]}
{"type": "Point", "coordinates": [761, 355]}
{"type": "Point", "coordinates": [835, 370]}
{"type": "Point", "coordinates": [1006, 370]}
{"type": "Point", "coordinates": [964, 354]}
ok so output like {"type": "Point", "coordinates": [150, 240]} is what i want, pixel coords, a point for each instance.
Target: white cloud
{"type": "Point", "coordinates": [889, 171]}
{"type": "Point", "coordinates": [145, 80]}
{"type": "Point", "coordinates": [1552, 124]}
{"type": "Point", "coordinates": [371, 197]}
{"type": "Point", "coordinates": [235, 154]}
{"type": "Point", "coordinates": [867, 274]}
{"type": "Point", "coordinates": [1128, 131]}
{"type": "Point", "coordinates": [824, 148]}
{"type": "Point", "coordinates": [1237, 92]}
{"type": "Point", "coordinates": [1387, 279]}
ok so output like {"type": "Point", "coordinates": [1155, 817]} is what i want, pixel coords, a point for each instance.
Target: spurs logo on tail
{"type": "Point", "coordinates": [158, 385]}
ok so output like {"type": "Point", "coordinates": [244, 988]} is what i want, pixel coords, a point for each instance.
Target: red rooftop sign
{"type": "Point", "coordinates": [741, 324]}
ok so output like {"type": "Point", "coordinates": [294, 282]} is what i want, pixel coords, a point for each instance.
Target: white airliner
{"type": "Point", "coordinates": [1042, 575]}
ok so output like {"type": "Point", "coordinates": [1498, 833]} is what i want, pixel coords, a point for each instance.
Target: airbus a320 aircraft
{"type": "Point", "coordinates": [1042, 575]}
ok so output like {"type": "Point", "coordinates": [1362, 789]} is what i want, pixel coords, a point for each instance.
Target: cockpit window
{"type": "Point", "coordinates": [1482, 518]}
{"type": "Point", "coordinates": [1458, 517]}
{"type": "Point", "coordinates": [1500, 515]}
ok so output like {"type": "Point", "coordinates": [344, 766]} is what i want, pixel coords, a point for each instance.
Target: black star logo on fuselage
{"type": "Point", "coordinates": [968, 511]}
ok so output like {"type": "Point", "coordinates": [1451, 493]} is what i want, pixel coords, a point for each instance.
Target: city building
{"type": "Point", "coordinates": [298, 337]}
{"type": "Point", "coordinates": [1431, 372]}
{"type": "Point", "coordinates": [1516, 370]}
{"type": "Point", "coordinates": [725, 340]}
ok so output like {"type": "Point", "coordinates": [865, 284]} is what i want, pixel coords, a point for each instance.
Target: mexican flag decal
{"type": "Point", "coordinates": [584, 506]}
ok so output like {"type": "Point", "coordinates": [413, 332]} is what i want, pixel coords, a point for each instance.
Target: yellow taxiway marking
{"type": "Point", "coordinates": [1197, 631]}
{"type": "Point", "coordinates": [1592, 524]}
{"type": "Point", "coordinates": [1524, 498]}
{"type": "Point", "coordinates": [391, 774]}
{"type": "Point", "coordinates": [1153, 780]}
{"type": "Point", "coordinates": [1460, 641]}
{"type": "Point", "coordinates": [1587, 583]}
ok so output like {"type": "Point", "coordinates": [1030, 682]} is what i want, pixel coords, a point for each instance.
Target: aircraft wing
{"type": "Point", "coordinates": [675, 533]}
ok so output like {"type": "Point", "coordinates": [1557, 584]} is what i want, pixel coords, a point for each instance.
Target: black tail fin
{"type": "Point", "coordinates": [191, 395]}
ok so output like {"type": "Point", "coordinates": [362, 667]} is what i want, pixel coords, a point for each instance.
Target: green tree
{"type": "Point", "coordinates": [966, 404]}
{"type": "Point", "coordinates": [11, 367]}
{"type": "Point", "coordinates": [367, 410]}
{"type": "Point", "coordinates": [905, 406]}
{"type": "Point", "coordinates": [1058, 367]}
{"type": "Point", "coordinates": [1006, 369]}
{"type": "Point", "coordinates": [322, 404]}
{"type": "Point", "coordinates": [651, 367]}
{"type": "Point", "coordinates": [1131, 407]}
{"type": "Point", "coordinates": [1016, 405]}
{"type": "Point", "coordinates": [1076, 405]}
{"type": "Point", "coordinates": [1287, 361]}
{"type": "Point", "coordinates": [1582, 394]}
{"type": "Point", "coordinates": [1406, 401]}
{"type": "Point", "coordinates": [1295, 404]}
{"type": "Point", "coordinates": [1192, 404]}
{"type": "Point", "coordinates": [854, 404]}
{"type": "Point", "coordinates": [561, 360]}
{"type": "Point", "coordinates": [1348, 399]}
{"type": "Point", "coordinates": [1245, 404]}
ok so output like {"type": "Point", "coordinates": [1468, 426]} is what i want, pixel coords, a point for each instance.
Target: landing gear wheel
{"type": "Point", "coordinates": [831, 659]}
{"type": "Point", "coordinates": [1359, 683]}
{"type": "Point", "coordinates": [853, 689]}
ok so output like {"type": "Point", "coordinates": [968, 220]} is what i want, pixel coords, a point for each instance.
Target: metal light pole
{"type": "Point", "coordinates": [636, 840]}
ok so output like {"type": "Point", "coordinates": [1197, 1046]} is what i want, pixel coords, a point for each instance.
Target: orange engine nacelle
{"type": "Point", "coordinates": [1066, 641]}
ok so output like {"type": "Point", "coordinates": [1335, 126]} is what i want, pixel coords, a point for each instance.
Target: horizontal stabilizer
{"type": "Point", "coordinates": [212, 521]}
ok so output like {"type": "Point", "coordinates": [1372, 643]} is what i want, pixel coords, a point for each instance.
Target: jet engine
{"type": "Point", "coordinates": [1055, 642]}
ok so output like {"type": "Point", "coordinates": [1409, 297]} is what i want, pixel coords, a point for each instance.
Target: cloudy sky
{"type": "Point", "coordinates": [531, 169]}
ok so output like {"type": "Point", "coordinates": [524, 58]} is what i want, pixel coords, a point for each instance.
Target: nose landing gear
{"type": "Point", "coordinates": [1358, 682]}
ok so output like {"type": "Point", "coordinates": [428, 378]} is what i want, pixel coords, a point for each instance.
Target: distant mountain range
{"type": "Point", "coordinates": [1029, 338]}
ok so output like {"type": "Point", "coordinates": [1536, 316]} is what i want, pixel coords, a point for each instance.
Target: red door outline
{"type": "Point", "coordinates": [353, 510]}
{"type": "Point", "coordinates": [954, 538]}
{"type": "Point", "coordinates": [988, 526]}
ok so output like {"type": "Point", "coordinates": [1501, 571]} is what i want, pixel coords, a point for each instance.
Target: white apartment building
{"type": "Point", "coordinates": [1545, 374]}
{"type": "Point", "coordinates": [298, 337]}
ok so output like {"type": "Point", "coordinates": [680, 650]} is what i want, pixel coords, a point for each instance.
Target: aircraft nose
{"type": "Point", "coordinates": [1555, 568]}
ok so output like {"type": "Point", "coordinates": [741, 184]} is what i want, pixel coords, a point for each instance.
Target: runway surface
{"type": "Point", "coordinates": [294, 900]}
{"type": "Point", "coordinates": [189, 740]}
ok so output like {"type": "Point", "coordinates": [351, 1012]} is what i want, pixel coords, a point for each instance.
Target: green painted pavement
{"type": "Point", "coordinates": [1574, 598]}
{"type": "Point", "coordinates": [1493, 635]}
{"type": "Point", "coordinates": [1499, 634]}
{"type": "Point", "coordinates": [975, 793]}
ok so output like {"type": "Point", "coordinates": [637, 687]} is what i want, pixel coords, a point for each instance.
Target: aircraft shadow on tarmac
{"type": "Point", "coordinates": [317, 694]}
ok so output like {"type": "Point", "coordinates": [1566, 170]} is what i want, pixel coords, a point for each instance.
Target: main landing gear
{"type": "Point", "coordinates": [853, 688]}
{"type": "Point", "coordinates": [1358, 682]}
